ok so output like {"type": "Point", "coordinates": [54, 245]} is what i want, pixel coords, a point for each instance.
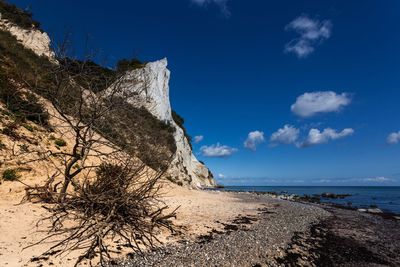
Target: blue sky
{"type": "Point", "coordinates": [314, 84]}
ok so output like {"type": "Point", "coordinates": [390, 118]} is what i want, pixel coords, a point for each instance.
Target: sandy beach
{"type": "Point", "coordinates": [199, 212]}
{"type": "Point", "coordinates": [226, 229]}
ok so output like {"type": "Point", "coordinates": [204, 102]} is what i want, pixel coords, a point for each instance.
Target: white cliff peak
{"type": "Point", "coordinates": [154, 78]}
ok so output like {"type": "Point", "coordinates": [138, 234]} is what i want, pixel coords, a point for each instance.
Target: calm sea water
{"type": "Point", "coordinates": [385, 198]}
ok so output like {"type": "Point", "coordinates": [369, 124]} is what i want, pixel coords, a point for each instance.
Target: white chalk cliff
{"type": "Point", "coordinates": [34, 39]}
{"type": "Point", "coordinates": [152, 82]}
{"type": "Point", "coordinates": [154, 78]}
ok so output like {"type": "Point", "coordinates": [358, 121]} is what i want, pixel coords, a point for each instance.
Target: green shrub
{"type": "Point", "coordinates": [24, 148]}
{"type": "Point", "coordinates": [181, 121]}
{"type": "Point", "coordinates": [60, 142]}
{"type": "Point", "coordinates": [10, 130]}
{"type": "Point", "coordinates": [10, 175]}
{"type": "Point", "coordinates": [125, 65]}
{"type": "Point", "coordinates": [19, 17]}
{"type": "Point", "coordinates": [89, 74]}
{"type": "Point", "coordinates": [29, 127]}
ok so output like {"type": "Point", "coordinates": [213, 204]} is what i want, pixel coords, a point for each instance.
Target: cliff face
{"type": "Point", "coordinates": [154, 78]}
{"type": "Point", "coordinates": [34, 39]}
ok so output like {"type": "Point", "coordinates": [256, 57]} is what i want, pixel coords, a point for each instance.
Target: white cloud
{"type": "Point", "coordinates": [393, 138]}
{"type": "Point", "coordinates": [218, 151]}
{"type": "Point", "coordinates": [312, 32]}
{"type": "Point", "coordinates": [355, 181]}
{"type": "Point", "coordinates": [309, 104]}
{"type": "Point", "coordinates": [198, 138]}
{"type": "Point", "coordinates": [379, 179]}
{"type": "Point", "coordinates": [253, 139]}
{"type": "Point", "coordinates": [316, 137]}
{"type": "Point", "coordinates": [221, 175]}
{"type": "Point", "coordinates": [222, 4]}
{"type": "Point", "coordinates": [286, 135]}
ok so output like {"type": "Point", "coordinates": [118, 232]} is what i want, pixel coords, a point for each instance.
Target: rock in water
{"type": "Point", "coordinates": [374, 210]}
{"type": "Point", "coordinates": [152, 81]}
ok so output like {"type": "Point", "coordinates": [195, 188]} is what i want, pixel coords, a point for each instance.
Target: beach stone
{"type": "Point", "coordinates": [375, 211]}
{"type": "Point", "coordinates": [362, 210]}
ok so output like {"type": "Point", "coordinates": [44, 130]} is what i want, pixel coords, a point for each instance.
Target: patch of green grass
{"type": "Point", "coordinates": [152, 141]}
{"type": "Point", "coordinates": [29, 127]}
{"type": "Point", "coordinates": [89, 74]}
{"type": "Point", "coordinates": [21, 65]}
{"type": "Point", "coordinates": [60, 142]}
{"type": "Point", "coordinates": [10, 175]}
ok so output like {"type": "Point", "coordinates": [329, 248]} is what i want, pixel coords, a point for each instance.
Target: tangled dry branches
{"type": "Point", "coordinates": [123, 204]}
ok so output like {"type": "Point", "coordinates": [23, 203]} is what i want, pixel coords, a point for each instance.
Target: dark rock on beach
{"type": "Point", "coordinates": [334, 196]}
{"type": "Point", "coordinates": [347, 238]}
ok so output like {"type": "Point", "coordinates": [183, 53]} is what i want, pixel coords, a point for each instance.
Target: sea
{"type": "Point", "coordinates": [386, 198]}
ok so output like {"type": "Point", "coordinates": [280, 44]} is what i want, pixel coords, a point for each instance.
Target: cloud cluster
{"type": "Point", "coordinates": [286, 135]}
{"type": "Point", "coordinates": [222, 4]}
{"type": "Point", "coordinates": [289, 135]}
{"type": "Point", "coordinates": [253, 139]}
{"type": "Point", "coordinates": [198, 138]}
{"type": "Point", "coordinates": [310, 104]}
{"type": "Point", "coordinates": [379, 179]}
{"type": "Point", "coordinates": [316, 137]}
{"type": "Point", "coordinates": [393, 138]}
{"type": "Point", "coordinates": [369, 180]}
{"type": "Point", "coordinates": [217, 151]}
{"type": "Point", "coordinates": [311, 33]}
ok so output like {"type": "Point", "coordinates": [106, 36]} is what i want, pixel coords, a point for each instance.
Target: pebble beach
{"type": "Point", "coordinates": [286, 233]}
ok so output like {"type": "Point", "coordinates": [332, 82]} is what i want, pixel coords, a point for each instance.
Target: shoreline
{"type": "Point", "coordinates": [286, 233]}
{"type": "Point", "coordinates": [316, 199]}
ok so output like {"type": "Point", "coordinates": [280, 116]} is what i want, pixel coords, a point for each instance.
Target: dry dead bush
{"type": "Point", "coordinates": [122, 204]}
